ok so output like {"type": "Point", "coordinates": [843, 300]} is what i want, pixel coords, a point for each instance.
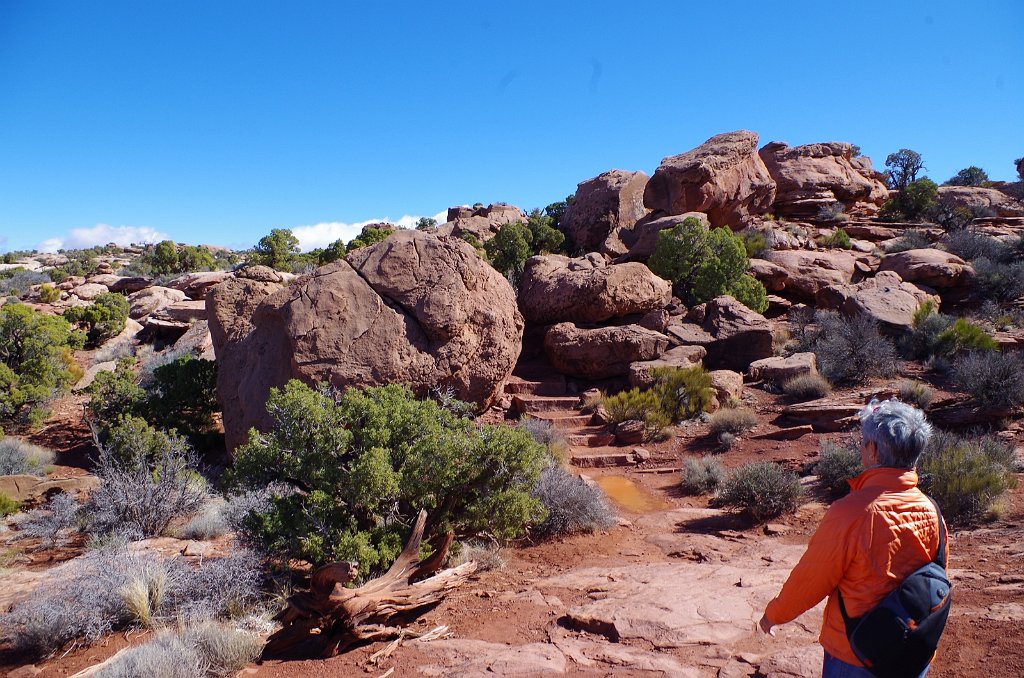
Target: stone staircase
{"type": "Point", "coordinates": [545, 397]}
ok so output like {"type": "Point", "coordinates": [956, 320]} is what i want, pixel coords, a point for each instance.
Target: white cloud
{"type": "Point", "coordinates": [101, 234]}
{"type": "Point", "coordinates": [323, 234]}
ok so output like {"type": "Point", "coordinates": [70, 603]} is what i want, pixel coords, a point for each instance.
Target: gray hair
{"type": "Point", "coordinates": [899, 431]}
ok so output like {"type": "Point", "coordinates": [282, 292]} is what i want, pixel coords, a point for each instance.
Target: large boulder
{"type": "Point", "coordinates": [982, 201]}
{"type": "Point", "coordinates": [89, 291]}
{"type": "Point", "coordinates": [742, 335]}
{"type": "Point", "coordinates": [483, 223]}
{"type": "Point", "coordinates": [771, 275]}
{"type": "Point", "coordinates": [151, 299]}
{"type": "Point", "coordinates": [230, 305]}
{"type": "Point", "coordinates": [602, 352]}
{"type": "Point", "coordinates": [931, 267]}
{"type": "Point", "coordinates": [416, 309]}
{"type": "Point", "coordinates": [603, 205]}
{"type": "Point", "coordinates": [811, 176]}
{"type": "Point", "coordinates": [780, 369]}
{"type": "Point", "coordinates": [555, 288]}
{"type": "Point", "coordinates": [886, 298]}
{"type": "Point", "coordinates": [809, 271]}
{"type": "Point", "coordinates": [196, 285]}
{"type": "Point", "coordinates": [723, 177]}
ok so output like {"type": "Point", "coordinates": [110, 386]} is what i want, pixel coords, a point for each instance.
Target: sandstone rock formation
{"type": "Point", "coordinates": [810, 271]}
{"type": "Point", "coordinates": [723, 177]}
{"type": "Point", "coordinates": [603, 205]}
{"type": "Point", "coordinates": [483, 223]}
{"type": "Point", "coordinates": [931, 267]}
{"type": "Point", "coordinates": [195, 285]}
{"type": "Point", "coordinates": [555, 288]}
{"type": "Point", "coordinates": [983, 201]}
{"type": "Point", "coordinates": [416, 309]}
{"type": "Point", "coordinates": [811, 176]}
{"type": "Point", "coordinates": [779, 369]}
{"type": "Point", "coordinates": [601, 352]}
{"type": "Point", "coordinates": [151, 299]}
{"type": "Point", "coordinates": [886, 298]}
{"type": "Point", "coordinates": [732, 334]}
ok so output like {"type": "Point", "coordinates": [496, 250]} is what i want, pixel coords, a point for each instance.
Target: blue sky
{"type": "Point", "coordinates": [215, 121]}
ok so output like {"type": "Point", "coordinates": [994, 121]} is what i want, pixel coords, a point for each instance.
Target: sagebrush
{"type": "Point", "coordinates": [761, 491]}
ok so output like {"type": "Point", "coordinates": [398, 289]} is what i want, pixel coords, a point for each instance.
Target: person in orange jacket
{"type": "Point", "coordinates": [869, 541]}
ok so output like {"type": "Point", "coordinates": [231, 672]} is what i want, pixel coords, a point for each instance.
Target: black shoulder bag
{"type": "Point", "coordinates": [897, 638]}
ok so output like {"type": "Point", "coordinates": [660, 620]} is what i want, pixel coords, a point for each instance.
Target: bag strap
{"type": "Point", "coordinates": [940, 555]}
{"type": "Point", "coordinates": [939, 559]}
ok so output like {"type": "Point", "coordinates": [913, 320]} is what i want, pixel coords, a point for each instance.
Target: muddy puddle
{"type": "Point", "coordinates": [629, 495]}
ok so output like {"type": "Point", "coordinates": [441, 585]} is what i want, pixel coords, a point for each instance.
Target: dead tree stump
{"type": "Point", "coordinates": [335, 618]}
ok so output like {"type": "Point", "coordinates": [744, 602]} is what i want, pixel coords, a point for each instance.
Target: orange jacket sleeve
{"type": "Point", "coordinates": [819, 571]}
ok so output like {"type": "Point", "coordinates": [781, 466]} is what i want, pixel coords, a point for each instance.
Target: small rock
{"type": "Point", "coordinates": [641, 454]}
{"type": "Point", "coordinates": [772, 529]}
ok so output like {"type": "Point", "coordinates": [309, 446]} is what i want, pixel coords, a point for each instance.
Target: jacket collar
{"type": "Point", "coordinates": [885, 478]}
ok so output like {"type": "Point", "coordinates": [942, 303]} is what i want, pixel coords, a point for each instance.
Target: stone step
{"type": "Point", "coordinates": [563, 420]}
{"type": "Point", "coordinates": [528, 404]}
{"type": "Point", "coordinates": [540, 387]}
{"type": "Point", "coordinates": [603, 457]}
{"type": "Point", "coordinates": [592, 436]}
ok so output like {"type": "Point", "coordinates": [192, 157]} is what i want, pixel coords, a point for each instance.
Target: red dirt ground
{"type": "Point", "coordinates": [987, 563]}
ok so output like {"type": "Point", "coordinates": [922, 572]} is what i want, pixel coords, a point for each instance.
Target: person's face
{"type": "Point", "coordinates": [868, 452]}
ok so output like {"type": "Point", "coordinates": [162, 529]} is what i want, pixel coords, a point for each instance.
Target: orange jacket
{"type": "Point", "coordinates": [867, 543]}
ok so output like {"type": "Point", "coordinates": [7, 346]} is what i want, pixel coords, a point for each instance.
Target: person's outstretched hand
{"type": "Point", "coordinates": [766, 626]}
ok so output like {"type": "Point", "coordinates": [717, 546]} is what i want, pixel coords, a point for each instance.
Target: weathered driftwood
{"type": "Point", "coordinates": [334, 618]}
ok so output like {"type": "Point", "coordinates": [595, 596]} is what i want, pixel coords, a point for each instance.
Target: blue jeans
{"type": "Point", "coordinates": [837, 668]}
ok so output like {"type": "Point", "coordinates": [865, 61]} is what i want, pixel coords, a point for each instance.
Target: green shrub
{"type": "Point", "coordinates": [704, 264]}
{"type": "Point", "coordinates": [510, 248]}
{"type": "Point", "coordinates": [113, 394]}
{"type": "Point", "coordinates": [48, 293]}
{"type": "Point", "coordinates": [837, 466]}
{"type": "Point", "coordinates": [677, 394]}
{"type": "Point", "coordinates": [966, 476]}
{"type": "Point", "coordinates": [761, 491]}
{"type": "Point", "coordinates": [969, 176]}
{"type": "Point", "coordinates": [734, 420]}
{"type": "Point", "coordinates": [851, 350]}
{"type": "Point", "coordinates": [634, 404]}
{"type": "Point", "coordinates": [276, 249]}
{"type": "Point", "coordinates": [370, 235]}
{"type": "Point", "coordinates": [701, 476]}
{"type": "Point", "coordinates": [183, 396]}
{"type": "Point", "coordinates": [839, 240]}
{"type": "Point", "coordinates": [755, 243]}
{"type": "Point", "coordinates": [912, 202]}
{"type": "Point", "coordinates": [963, 335]}
{"type": "Point", "coordinates": [349, 475]}
{"type": "Point", "coordinates": [915, 393]}
{"type": "Point", "coordinates": [101, 320]}
{"type": "Point", "coordinates": [180, 395]}
{"type": "Point", "coordinates": [8, 506]}
{"type": "Point", "coordinates": [35, 359]}
{"type": "Point", "coordinates": [807, 387]}
{"type": "Point", "coordinates": [20, 457]}
{"type": "Point", "coordinates": [682, 392]}
{"type": "Point", "coordinates": [923, 340]}
{"type": "Point", "coordinates": [992, 379]}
